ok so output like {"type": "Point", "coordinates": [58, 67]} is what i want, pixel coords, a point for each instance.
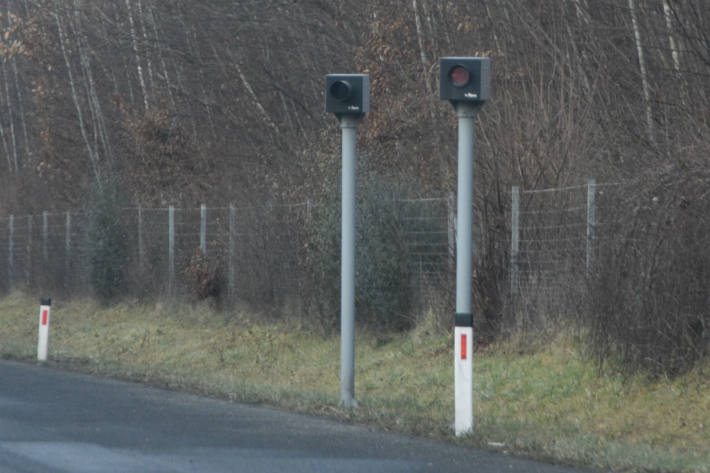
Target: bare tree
{"type": "Point", "coordinates": [139, 67]}
{"type": "Point", "coordinates": [91, 151]}
{"type": "Point", "coordinates": [643, 72]}
{"type": "Point", "coordinates": [11, 116]}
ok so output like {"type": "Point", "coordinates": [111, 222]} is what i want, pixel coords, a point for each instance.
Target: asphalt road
{"type": "Point", "coordinates": [56, 421]}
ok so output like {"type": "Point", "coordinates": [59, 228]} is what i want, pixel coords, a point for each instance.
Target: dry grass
{"type": "Point", "coordinates": [549, 404]}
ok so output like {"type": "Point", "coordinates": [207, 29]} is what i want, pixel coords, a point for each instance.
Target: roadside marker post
{"type": "Point", "coordinates": [465, 82]}
{"type": "Point", "coordinates": [43, 337]}
{"type": "Point", "coordinates": [348, 97]}
{"type": "Point", "coordinates": [463, 379]}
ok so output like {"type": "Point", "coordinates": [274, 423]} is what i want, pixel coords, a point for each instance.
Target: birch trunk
{"type": "Point", "coordinates": [100, 131]}
{"type": "Point", "coordinates": [7, 150]}
{"type": "Point", "coordinates": [74, 25]}
{"type": "Point", "coordinates": [139, 67]}
{"type": "Point", "coordinates": [161, 55]}
{"type": "Point", "coordinates": [581, 9]}
{"type": "Point", "coordinates": [11, 115]}
{"type": "Point", "coordinates": [509, 37]}
{"type": "Point", "coordinates": [254, 97]}
{"type": "Point", "coordinates": [668, 15]}
{"type": "Point", "coordinates": [93, 156]}
{"type": "Point", "coordinates": [125, 66]}
{"type": "Point", "coordinates": [644, 73]}
{"type": "Point", "coordinates": [20, 102]}
{"type": "Point", "coordinates": [422, 52]}
{"type": "Point", "coordinates": [21, 106]}
{"type": "Point", "coordinates": [149, 63]}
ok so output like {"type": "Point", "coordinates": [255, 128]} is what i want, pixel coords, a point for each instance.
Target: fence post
{"type": "Point", "coordinates": [203, 229]}
{"type": "Point", "coordinates": [28, 256]}
{"type": "Point", "coordinates": [141, 247]}
{"type": "Point", "coordinates": [451, 227]}
{"type": "Point", "coordinates": [591, 221]}
{"type": "Point", "coordinates": [171, 249]}
{"type": "Point", "coordinates": [45, 236]}
{"type": "Point", "coordinates": [67, 251]}
{"type": "Point", "coordinates": [514, 242]}
{"type": "Point", "coordinates": [10, 251]}
{"type": "Point", "coordinates": [232, 236]}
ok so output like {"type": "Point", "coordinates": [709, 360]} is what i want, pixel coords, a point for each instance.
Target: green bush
{"type": "Point", "coordinates": [106, 244]}
{"type": "Point", "coordinates": [385, 287]}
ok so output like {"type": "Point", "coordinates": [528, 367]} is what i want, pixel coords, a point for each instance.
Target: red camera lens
{"type": "Point", "coordinates": [459, 76]}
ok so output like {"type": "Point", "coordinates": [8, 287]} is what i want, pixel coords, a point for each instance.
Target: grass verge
{"type": "Point", "coordinates": [551, 404]}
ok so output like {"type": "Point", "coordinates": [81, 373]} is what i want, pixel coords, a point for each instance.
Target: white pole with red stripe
{"type": "Point", "coordinates": [463, 376]}
{"type": "Point", "coordinates": [43, 339]}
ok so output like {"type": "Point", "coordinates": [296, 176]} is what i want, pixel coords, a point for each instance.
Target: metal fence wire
{"type": "Point", "coordinates": [257, 254]}
{"type": "Point", "coordinates": [264, 254]}
{"type": "Point", "coordinates": [555, 237]}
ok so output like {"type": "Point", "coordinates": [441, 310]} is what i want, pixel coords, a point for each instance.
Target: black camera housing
{"type": "Point", "coordinates": [465, 79]}
{"type": "Point", "coordinates": [347, 94]}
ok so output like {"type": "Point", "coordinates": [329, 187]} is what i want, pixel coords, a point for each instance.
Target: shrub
{"type": "Point", "coordinates": [106, 248]}
{"type": "Point", "coordinates": [204, 276]}
{"type": "Point", "coordinates": [649, 293]}
{"type": "Point", "coordinates": [385, 286]}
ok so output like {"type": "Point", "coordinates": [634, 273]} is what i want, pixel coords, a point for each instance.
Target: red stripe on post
{"type": "Point", "coordinates": [464, 352]}
{"type": "Point", "coordinates": [44, 316]}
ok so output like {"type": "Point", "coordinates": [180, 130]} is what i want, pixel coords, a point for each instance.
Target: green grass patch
{"type": "Point", "coordinates": [549, 404]}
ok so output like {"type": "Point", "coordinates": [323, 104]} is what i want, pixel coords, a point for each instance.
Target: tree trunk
{"type": "Point", "coordinates": [668, 15]}
{"type": "Point", "coordinates": [161, 55]}
{"type": "Point", "coordinates": [11, 116]}
{"type": "Point", "coordinates": [422, 52]}
{"type": "Point", "coordinates": [139, 67]}
{"type": "Point", "coordinates": [644, 73]}
{"type": "Point", "coordinates": [93, 156]}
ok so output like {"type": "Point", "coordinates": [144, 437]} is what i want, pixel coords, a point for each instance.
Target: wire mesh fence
{"type": "Point", "coordinates": [551, 243]}
{"type": "Point", "coordinates": [430, 235]}
{"type": "Point", "coordinates": [265, 254]}
{"type": "Point", "coordinates": [257, 254]}
{"type": "Point", "coordinates": [556, 237]}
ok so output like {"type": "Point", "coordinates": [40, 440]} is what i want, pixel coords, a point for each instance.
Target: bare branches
{"type": "Point", "coordinates": [92, 153]}
{"type": "Point", "coordinates": [139, 67]}
{"type": "Point", "coordinates": [580, 88]}
{"type": "Point", "coordinates": [643, 72]}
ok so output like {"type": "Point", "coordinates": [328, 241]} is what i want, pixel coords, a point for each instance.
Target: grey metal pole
{"type": "Point", "coordinates": [10, 252]}
{"type": "Point", "coordinates": [171, 249]}
{"type": "Point", "coordinates": [67, 250]}
{"type": "Point", "coordinates": [348, 126]}
{"type": "Point", "coordinates": [203, 229]}
{"type": "Point", "coordinates": [463, 331]}
{"type": "Point", "coordinates": [466, 112]}
{"type": "Point", "coordinates": [514, 242]}
{"type": "Point", "coordinates": [28, 252]}
{"type": "Point", "coordinates": [591, 220]}
{"type": "Point", "coordinates": [231, 270]}
{"type": "Point", "coordinates": [451, 229]}
{"type": "Point", "coordinates": [45, 236]}
{"type": "Point", "coordinates": [141, 245]}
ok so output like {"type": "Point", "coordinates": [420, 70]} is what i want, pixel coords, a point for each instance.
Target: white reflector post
{"type": "Point", "coordinates": [43, 339]}
{"type": "Point", "coordinates": [463, 373]}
